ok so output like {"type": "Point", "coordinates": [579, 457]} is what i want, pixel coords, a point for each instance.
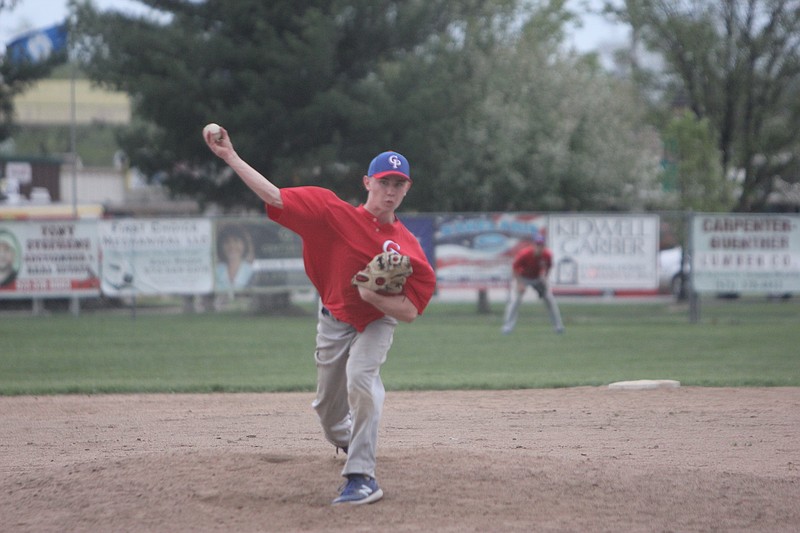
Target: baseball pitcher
{"type": "Point", "coordinates": [370, 272]}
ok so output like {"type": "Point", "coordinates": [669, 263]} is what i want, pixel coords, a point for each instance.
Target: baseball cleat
{"type": "Point", "coordinates": [359, 489]}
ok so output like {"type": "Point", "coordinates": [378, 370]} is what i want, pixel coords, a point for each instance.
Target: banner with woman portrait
{"type": "Point", "coordinates": [257, 255]}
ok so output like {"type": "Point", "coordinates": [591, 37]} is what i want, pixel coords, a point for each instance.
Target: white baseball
{"type": "Point", "coordinates": [214, 130]}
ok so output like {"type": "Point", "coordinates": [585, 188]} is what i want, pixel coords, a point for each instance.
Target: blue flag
{"type": "Point", "coordinates": [38, 46]}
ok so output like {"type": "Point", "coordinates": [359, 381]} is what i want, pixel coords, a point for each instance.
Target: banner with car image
{"type": "Point", "coordinates": [48, 258]}
{"type": "Point", "coordinates": [476, 250]}
{"type": "Point", "coordinates": [156, 256]}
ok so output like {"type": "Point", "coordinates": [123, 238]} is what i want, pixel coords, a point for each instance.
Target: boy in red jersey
{"type": "Point", "coordinates": [531, 266]}
{"type": "Point", "coordinates": [355, 325]}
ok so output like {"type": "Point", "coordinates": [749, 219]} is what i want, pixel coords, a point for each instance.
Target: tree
{"type": "Point", "coordinates": [297, 84]}
{"type": "Point", "coordinates": [532, 128]}
{"type": "Point", "coordinates": [476, 93]}
{"type": "Point", "coordinates": [446, 82]}
{"type": "Point", "coordinates": [581, 142]}
{"type": "Point", "coordinates": [512, 123]}
{"type": "Point", "coordinates": [738, 64]}
{"type": "Point", "coordinates": [692, 151]}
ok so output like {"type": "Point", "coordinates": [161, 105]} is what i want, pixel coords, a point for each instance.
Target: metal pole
{"type": "Point", "coordinates": [72, 136]}
{"type": "Point", "coordinates": [694, 298]}
{"type": "Point", "coordinates": [75, 303]}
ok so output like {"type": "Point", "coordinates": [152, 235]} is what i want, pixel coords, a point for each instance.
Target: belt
{"type": "Point", "coordinates": [328, 314]}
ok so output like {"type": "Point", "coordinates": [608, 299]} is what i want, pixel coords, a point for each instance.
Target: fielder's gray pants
{"type": "Point", "coordinates": [515, 298]}
{"type": "Point", "coordinates": [350, 392]}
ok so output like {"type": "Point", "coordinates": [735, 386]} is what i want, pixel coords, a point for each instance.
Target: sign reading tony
{"type": "Point", "coordinates": [746, 253]}
{"type": "Point", "coordinates": [604, 251]}
{"type": "Point", "coordinates": [56, 258]}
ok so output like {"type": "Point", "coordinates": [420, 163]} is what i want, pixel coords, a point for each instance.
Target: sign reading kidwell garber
{"type": "Point", "coordinates": [604, 251]}
{"type": "Point", "coordinates": [746, 253]}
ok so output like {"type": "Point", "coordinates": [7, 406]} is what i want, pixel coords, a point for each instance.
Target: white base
{"type": "Point", "coordinates": [645, 384]}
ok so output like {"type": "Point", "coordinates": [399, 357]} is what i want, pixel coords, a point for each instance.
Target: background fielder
{"type": "Point", "coordinates": [531, 267]}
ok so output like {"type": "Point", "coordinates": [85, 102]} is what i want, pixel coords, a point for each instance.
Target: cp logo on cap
{"type": "Point", "coordinates": [395, 161]}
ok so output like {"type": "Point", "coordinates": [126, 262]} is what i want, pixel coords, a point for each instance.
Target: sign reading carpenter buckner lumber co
{"type": "Point", "coordinates": [746, 253]}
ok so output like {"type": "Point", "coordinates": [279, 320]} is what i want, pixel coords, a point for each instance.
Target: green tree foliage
{"type": "Point", "coordinates": [491, 114]}
{"type": "Point", "coordinates": [296, 83]}
{"type": "Point", "coordinates": [693, 154]}
{"type": "Point", "coordinates": [738, 64]}
{"type": "Point", "coordinates": [566, 134]}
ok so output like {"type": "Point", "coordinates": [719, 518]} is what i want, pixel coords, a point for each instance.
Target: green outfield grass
{"type": "Point", "coordinates": [745, 342]}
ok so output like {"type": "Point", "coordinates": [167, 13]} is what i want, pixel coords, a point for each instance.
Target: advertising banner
{"type": "Point", "coordinates": [48, 258]}
{"type": "Point", "coordinates": [746, 253]}
{"type": "Point", "coordinates": [423, 227]}
{"type": "Point", "coordinates": [257, 256]}
{"type": "Point", "coordinates": [604, 251]}
{"type": "Point", "coordinates": [476, 251]}
{"type": "Point", "coordinates": [156, 256]}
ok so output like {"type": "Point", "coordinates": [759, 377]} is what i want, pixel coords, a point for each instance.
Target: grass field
{"type": "Point", "coordinates": [744, 342]}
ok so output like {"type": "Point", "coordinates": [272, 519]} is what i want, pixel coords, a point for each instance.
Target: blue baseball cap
{"type": "Point", "coordinates": [538, 238]}
{"type": "Point", "coordinates": [389, 163]}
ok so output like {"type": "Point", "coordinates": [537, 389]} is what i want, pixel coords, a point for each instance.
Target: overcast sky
{"type": "Point", "coordinates": [595, 35]}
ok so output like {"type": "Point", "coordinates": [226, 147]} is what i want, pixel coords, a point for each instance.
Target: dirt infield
{"type": "Point", "coordinates": [581, 459]}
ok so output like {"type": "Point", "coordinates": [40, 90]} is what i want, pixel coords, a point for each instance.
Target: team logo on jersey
{"type": "Point", "coordinates": [391, 246]}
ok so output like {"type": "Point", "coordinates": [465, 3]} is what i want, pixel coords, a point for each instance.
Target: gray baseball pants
{"type": "Point", "coordinates": [515, 298]}
{"type": "Point", "coordinates": [350, 392]}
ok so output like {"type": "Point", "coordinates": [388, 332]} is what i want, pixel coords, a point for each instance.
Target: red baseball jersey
{"type": "Point", "coordinates": [530, 264]}
{"type": "Point", "coordinates": [339, 240]}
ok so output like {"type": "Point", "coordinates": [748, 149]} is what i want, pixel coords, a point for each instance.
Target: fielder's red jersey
{"type": "Point", "coordinates": [530, 264]}
{"type": "Point", "coordinates": [339, 240]}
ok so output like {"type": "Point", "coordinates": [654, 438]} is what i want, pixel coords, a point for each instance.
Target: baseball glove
{"type": "Point", "coordinates": [387, 272]}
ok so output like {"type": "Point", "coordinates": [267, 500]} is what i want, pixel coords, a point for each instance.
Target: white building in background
{"type": "Point", "coordinates": [117, 187]}
{"type": "Point", "coordinates": [48, 102]}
